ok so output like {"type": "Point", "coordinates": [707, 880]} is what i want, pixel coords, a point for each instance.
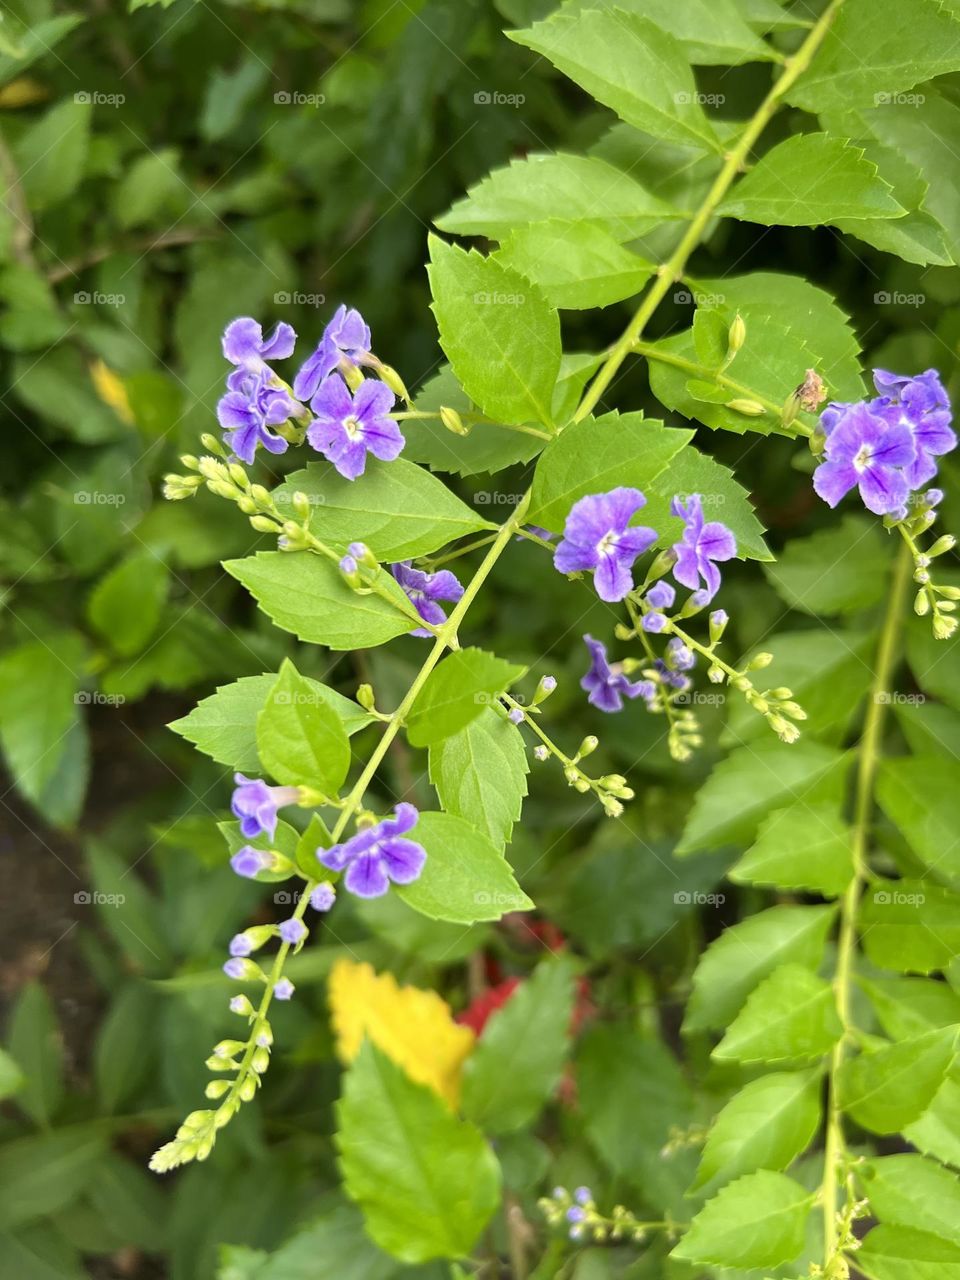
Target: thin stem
{"type": "Point", "coordinates": [869, 755]}
{"type": "Point", "coordinates": [672, 270]}
{"type": "Point", "coordinates": [476, 419]}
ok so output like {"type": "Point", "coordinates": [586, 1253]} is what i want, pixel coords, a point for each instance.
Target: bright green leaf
{"type": "Point", "coordinates": [480, 774]}
{"type": "Point", "coordinates": [456, 692]}
{"type": "Point", "coordinates": [301, 740]}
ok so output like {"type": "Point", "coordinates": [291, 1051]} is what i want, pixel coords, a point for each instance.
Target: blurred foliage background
{"type": "Point", "coordinates": [166, 169]}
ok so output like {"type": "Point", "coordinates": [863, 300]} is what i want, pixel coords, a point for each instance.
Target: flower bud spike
{"type": "Point", "coordinates": [452, 421]}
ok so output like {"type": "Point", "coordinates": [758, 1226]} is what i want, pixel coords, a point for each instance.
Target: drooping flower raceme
{"type": "Point", "coordinates": [378, 854]}
{"type": "Point", "coordinates": [868, 449]}
{"type": "Point", "coordinates": [425, 589]}
{"type": "Point", "coordinates": [256, 804]}
{"type": "Point", "coordinates": [701, 544]}
{"type": "Point", "coordinates": [921, 405]}
{"type": "Point", "coordinates": [346, 427]}
{"type": "Point", "coordinates": [345, 339]}
{"type": "Point", "coordinates": [596, 537]}
{"type": "Point", "coordinates": [249, 410]}
{"type": "Point", "coordinates": [607, 685]}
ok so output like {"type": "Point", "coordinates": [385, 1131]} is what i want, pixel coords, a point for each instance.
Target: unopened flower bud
{"type": "Point", "coordinates": [544, 689]}
{"type": "Point", "coordinates": [217, 1088]}
{"type": "Point", "coordinates": [750, 408]}
{"type": "Point", "coordinates": [260, 495]}
{"type": "Point", "coordinates": [263, 524]}
{"type": "Point", "coordinates": [921, 604]}
{"type": "Point", "coordinates": [943, 628]}
{"type": "Point", "coordinates": [223, 489]}
{"type": "Point", "coordinates": [351, 572]}
{"type": "Point", "coordinates": [540, 752]}
{"type": "Point", "coordinates": [946, 542]}
{"type": "Point", "coordinates": [715, 674]}
{"type": "Point", "coordinates": [452, 421]}
{"type": "Point", "coordinates": [366, 698]}
{"type": "Point", "coordinates": [213, 445]}
{"type": "Point", "coordinates": [736, 336]}
{"type": "Point", "coordinates": [260, 1060]}
{"type": "Point", "coordinates": [362, 554]}
{"type": "Point", "coordinates": [190, 462]}
{"type": "Point", "coordinates": [238, 475]}
{"type": "Point", "coordinates": [301, 504]}
{"type": "Point", "coordinates": [588, 746]}
{"type": "Point", "coordinates": [759, 661]}
{"type": "Point", "coordinates": [718, 624]}
{"type": "Point", "coordinates": [784, 730]}
{"type": "Point", "coordinates": [241, 1005]}
{"type": "Point", "coordinates": [248, 1089]}
{"type": "Point", "coordinates": [247, 505]}
{"type": "Point", "coordinates": [393, 380]}
{"type": "Point", "coordinates": [212, 469]}
{"type": "Point", "coordinates": [351, 374]}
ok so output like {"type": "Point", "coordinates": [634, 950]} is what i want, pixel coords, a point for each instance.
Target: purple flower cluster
{"type": "Point", "coordinates": [886, 447]}
{"type": "Point", "coordinates": [343, 425]}
{"type": "Point", "coordinates": [606, 685]}
{"type": "Point", "coordinates": [378, 854]}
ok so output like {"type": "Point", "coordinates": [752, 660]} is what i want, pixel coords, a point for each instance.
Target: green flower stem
{"type": "Point", "coordinates": [869, 754]}
{"type": "Point", "coordinates": [434, 562]}
{"type": "Point", "coordinates": [652, 352]}
{"type": "Point", "coordinates": [475, 419]}
{"type": "Point", "coordinates": [446, 638]}
{"type": "Point", "coordinates": [672, 270]}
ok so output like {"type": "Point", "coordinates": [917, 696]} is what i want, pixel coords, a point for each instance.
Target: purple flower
{"type": "Point", "coordinates": [346, 337]}
{"type": "Point", "coordinates": [323, 896]}
{"type": "Point", "coordinates": [378, 854]}
{"type": "Point", "coordinates": [292, 931]}
{"type": "Point", "coordinates": [606, 685]}
{"type": "Point", "coordinates": [249, 410]}
{"type": "Point", "coordinates": [256, 805]}
{"type": "Point", "coordinates": [699, 546]}
{"type": "Point", "coordinates": [681, 658]}
{"type": "Point", "coordinates": [425, 589]}
{"type": "Point", "coordinates": [244, 346]}
{"type": "Point", "coordinates": [583, 1195]}
{"type": "Point", "coordinates": [669, 677]}
{"type": "Point", "coordinates": [867, 450]}
{"type": "Point", "coordinates": [240, 945]}
{"type": "Point", "coordinates": [922, 405]}
{"type": "Point", "coordinates": [661, 595]}
{"type": "Point", "coordinates": [249, 862]}
{"type": "Point", "coordinates": [515, 715]}
{"type": "Point", "coordinates": [596, 537]}
{"type": "Point", "coordinates": [548, 684]}
{"type": "Point", "coordinates": [284, 989]}
{"type": "Point", "coordinates": [653, 622]}
{"type": "Point", "coordinates": [235, 968]}
{"type": "Point", "coordinates": [347, 427]}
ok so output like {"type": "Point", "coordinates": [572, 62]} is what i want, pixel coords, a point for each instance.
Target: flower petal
{"type": "Point", "coordinates": [366, 877]}
{"type": "Point", "coordinates": [403, 859]}
{"type": "Point", "coordinates": [883, 489]}
{"type": "Point", "coordinates": [280, 344]}
{"type": "Point", "coordinates": [612, 578]}
{"type": "Point", "coordinates": [717, 541]}
{"type": "Point", "coordinates": [242, 340]}
{"type": "Point", "coordinates": [833, 481]}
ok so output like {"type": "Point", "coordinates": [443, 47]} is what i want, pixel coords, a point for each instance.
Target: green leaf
{"type": "Point", "coordinates": [38, 707]}
{"type": "Point", "coordinates": [399, 510]}
{"type": "Point", "coordinates": [126, 605]}
{"type": "Point", "coordinates": [929, 727]}
{"type": "Point", "coordinates": [518, 1060]}
{"type": "Point", "coordinates": [427, 1182]}
{"type": "Point", "coordinates": [791, 1016]}
{"type": "Point", "coordinates": [11, 1077]}
{"type": "Point", "coordinates": [34, 1042]}
{"type": "Point", "coordinates": [576, 266]}
{"type": "Point", "coordinates": [911, 926]}
{"type": "Point", "coordinates": [630, 65]}
{"type": "Point", "coordinates": [828, 671]}
{"type": "Point", "coordinates": [712, 32]}
{"type": "Point", "coordinates": [52, 153]}
{"type": "Point", "coordinates": [879, 47]}
{"type": "Point", "coordinates": [887, 1089]}
{"type": "Point", "coordinates": [758, 1221]}
{"type": "Point", "coordinates": [499, 333]}
{"type": "Point", "coordinates": [306, 594]}
{"type": "Point", "coordinates": [837, 570]}
{"type": "Point", "coordinates": [572, 189]}
{"type": "Point", "coordinates": [912, 1191]}
{"type": "Point", "coordinates": [744, 954]}
{"type": "Point", "coordinates": [809, 180]}
{"type": "Point", "coordinates": [694, 472]}
{"type": "Point", "coordinates": [149, 186]}
{"type": "Point", "coordinates": [480, 774]}
{"type": "Point", "coordinates": [121, 1054]}
{"type": "Point", "coordinates": [907, 1007]}
{"type": "Point", "coordinates": [41, 1175]}
{"type": "Point", "coordinates": [937, 1132]}
{"type": "Point", "coordinates": [456, 692]}
{"type": "Point", "coordinates": [764, 1126]}
{"type": "Point", "coordinates": [598, 454]}
{"type": "Point", "coordinates": [300, 738]}
{"type": "Point", "coordinates": [800, 847]}
{"type": "Point", "coordinates": [465, 878]}
{"type": "Point", "coordinates": [921, 797]}
{"type": "Point", "coordinates": [34, 42]}
{"type": "Point", "coordinates": [128, 910]}
{"type": "Point", "coordinates": [901, 1253]}
{"type": "Point", "coordinates": [487, 448]}
{"type": "Point", "coordinates": [743, 789]}
{"type": "Point", "coordinates": [223, 726]}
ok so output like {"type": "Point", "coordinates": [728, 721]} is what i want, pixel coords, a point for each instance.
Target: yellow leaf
{"type": "Point", "coordinates": [110, 389]}
{"type": "Point", "coordinates": [23, 92]}
{"type": "Point", "coordinates": [415, 1028]}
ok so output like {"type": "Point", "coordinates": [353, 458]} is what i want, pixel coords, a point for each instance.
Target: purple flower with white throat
{"type": "Point", "coordinates": [283, 989]}
{"type": "Point", "coordinates": [867, 450]}
{"type": "Point", "coordinates": [922, 405]}
{"type": "Point", "coordinates": [700, 545]}
{"type": "Point", "coordinates": [596, 537]}
{"type": "Point", "coordinates": [256, 804]}
{"type": "Point", "coordinates": [245, 346]}
{"type": "Point", "coordinates": [347, 427]}
{"type": "Point", "coordinates": [249, 862]}
{"type": "Point", "coordinates": [292, 931]}
{"type": "Point", "coordinates": [424, 590]}
{"type": "Point", "coordinates": [606, 685]}
{"type": "Point", "coordinates": [378, 854]}
{"type": "Point", "coordinates": [248, 411]}
{"type": "Point", "coordinates": [345, 339]}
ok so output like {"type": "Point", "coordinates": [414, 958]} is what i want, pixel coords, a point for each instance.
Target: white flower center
{"type": "Point", "coordinates": [863, 458]}
{"type": "Point", "coordinates": [608, 543]}
{"type": "Point", "coordinates": [352, 427]}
